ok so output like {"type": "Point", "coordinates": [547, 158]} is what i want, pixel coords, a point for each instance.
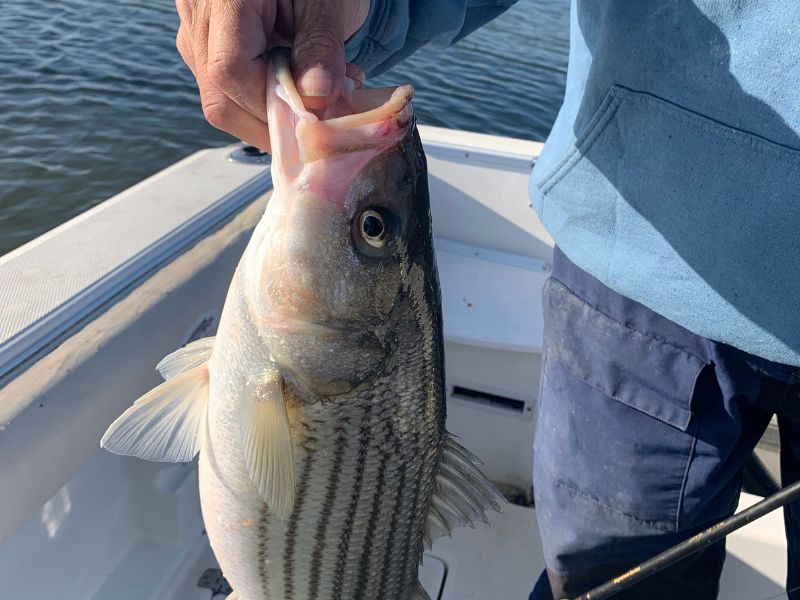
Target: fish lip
{"type": "Point", "coordinates": [379, 119]}
{"type": "Point", "coordinates": [398, 100]}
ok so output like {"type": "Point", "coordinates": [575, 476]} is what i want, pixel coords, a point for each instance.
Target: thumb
{"type": "Point", "coordinates": [318, 51]}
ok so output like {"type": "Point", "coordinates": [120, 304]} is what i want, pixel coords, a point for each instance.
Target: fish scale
{"type": "Point", "coordinates": [348, 523]}
{"type": "Point", "coordinates": [317, 557]}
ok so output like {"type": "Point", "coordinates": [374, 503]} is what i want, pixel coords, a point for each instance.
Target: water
{"type": "Point", "coordinates": [94, 97]}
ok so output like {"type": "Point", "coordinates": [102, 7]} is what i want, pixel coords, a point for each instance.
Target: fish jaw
{"type": "Point", "coordinates": [320, 154]}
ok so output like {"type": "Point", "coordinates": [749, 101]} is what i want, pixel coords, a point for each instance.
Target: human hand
{"type": "Point", "coordinates": [224, 43]}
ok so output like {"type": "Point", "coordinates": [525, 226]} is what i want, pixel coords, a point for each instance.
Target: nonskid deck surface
{"type": "Point", "coordinates": [501, 562]}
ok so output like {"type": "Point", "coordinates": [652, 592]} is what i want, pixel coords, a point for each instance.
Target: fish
{"type": "Point", "coordinates": [318, 409]}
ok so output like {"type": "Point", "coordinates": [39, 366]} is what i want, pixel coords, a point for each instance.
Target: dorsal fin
{"type": "Point", "coordinates": [164, 424]}
{"type": "Point", "coordinates": [462, 494]}
{"type": "Point", "coordinates": [190, 356]}
{"type": "Point", "coordinates": [267, 442]}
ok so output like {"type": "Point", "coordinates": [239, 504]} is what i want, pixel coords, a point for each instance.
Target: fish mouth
{"type": "Point", "coordinates": [360, 120]}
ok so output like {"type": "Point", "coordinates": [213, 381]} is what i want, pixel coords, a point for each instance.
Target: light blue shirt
{"type": "Point", "coordinates": [672, 172]}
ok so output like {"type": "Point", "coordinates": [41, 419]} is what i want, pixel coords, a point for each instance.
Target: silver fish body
{"type": "Point", "coordinates": [365, 474]}
{"type": "Point", "coordinates": [318, 411]}
{"type": "Point", "coordinates": [365, 461]}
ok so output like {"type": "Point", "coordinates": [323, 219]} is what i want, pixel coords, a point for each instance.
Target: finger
{"type": "Point", "coordinates": [354, 72]}
{"type": "Point", "coordinates": [219, 110]}
{"type": "Point", "coordinates": [236, 41]}
{"type": "Point", "coordinates": [318, 52]}
{"type": "Point", "coordinates": [223, 113]}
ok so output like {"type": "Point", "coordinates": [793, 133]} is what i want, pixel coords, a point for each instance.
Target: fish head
{"type": "Point", "coordinates": [348, 217]}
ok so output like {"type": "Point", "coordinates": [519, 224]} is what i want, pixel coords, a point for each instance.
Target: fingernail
{"type": "Point", "coordinates": [316, 82]}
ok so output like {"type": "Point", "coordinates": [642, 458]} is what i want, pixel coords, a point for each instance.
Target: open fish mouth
{"type": "Point", "coordinates": [360, 120]}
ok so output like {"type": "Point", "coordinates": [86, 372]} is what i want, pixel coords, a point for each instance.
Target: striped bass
{"type": "Point", "coordinates": [318, 410]}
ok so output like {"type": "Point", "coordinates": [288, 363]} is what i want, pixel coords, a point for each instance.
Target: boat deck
{"type": "Point", "coordinates": [502, 561]}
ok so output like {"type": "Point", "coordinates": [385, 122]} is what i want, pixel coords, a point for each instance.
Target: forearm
{"type": "Point", "coordinates": [395, 29]}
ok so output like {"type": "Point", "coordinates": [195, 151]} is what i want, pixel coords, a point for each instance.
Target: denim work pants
{"type": "Point", "coordinates": [643, 431]}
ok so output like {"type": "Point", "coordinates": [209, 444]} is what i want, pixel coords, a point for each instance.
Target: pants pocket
{"type": "Point", "coordinates": [615, 417]}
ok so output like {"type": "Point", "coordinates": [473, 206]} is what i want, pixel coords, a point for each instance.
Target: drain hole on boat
{"type": "Point", "coordinates": [486, 398]}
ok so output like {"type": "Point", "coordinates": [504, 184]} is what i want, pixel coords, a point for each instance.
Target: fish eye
{"type": "Point", "coordinates": [373, 229]}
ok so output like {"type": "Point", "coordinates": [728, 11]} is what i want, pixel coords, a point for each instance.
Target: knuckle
{"type": "Point", "coordinates": [185, 51]}
{"type": "Point", "coordinates": [317, 43]}
{"type": "Point", "coordinates": [180, 42]}
{"type": "Point", "coordinates": [216, 112]}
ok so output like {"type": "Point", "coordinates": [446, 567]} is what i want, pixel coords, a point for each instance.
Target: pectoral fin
{"type": "Point", "coordinates": [164, 424]}
{"type": "Point", "coordinates": [190, 356]}
{"type": "Point", "coordinates": [462, 495]}
{"type": "Point", "coordinates": [267, 442]}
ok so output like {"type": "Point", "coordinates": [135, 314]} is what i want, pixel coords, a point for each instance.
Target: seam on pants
{"type": "Point", "coordinates": [616, 511]}
{"type": "Point", "coordinates": [686, 477]}
{"type": "Point", "coordinates": [694, 427]}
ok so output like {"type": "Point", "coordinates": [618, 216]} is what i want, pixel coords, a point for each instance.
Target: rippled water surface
{"type": "Point", "coordinates": [94, 97]}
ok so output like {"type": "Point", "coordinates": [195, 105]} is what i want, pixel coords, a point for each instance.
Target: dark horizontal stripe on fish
{"type": "Point", "coordinates": [291, 529]}
{"type": "Point", "coordinates": [366, 551]}
{"type": "Point", "coordinates": [415, 451]}
{"type": "Point", "coordinates": [325, 517]}
{"type": "Point", "coordinates": [261, 551]}
{"type": "Point", "coordinates": [344, 542]}
{"type": "Point", "coordinates": [387, 556]}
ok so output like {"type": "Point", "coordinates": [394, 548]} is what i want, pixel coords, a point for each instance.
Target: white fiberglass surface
{"type": "Point", "coordinates": [82, 540]}
{"type": "Point", "coordinates": [55, 280]}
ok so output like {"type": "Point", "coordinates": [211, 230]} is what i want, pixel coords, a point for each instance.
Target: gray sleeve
{"type": "Point", "coordinates": [394, 29]}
